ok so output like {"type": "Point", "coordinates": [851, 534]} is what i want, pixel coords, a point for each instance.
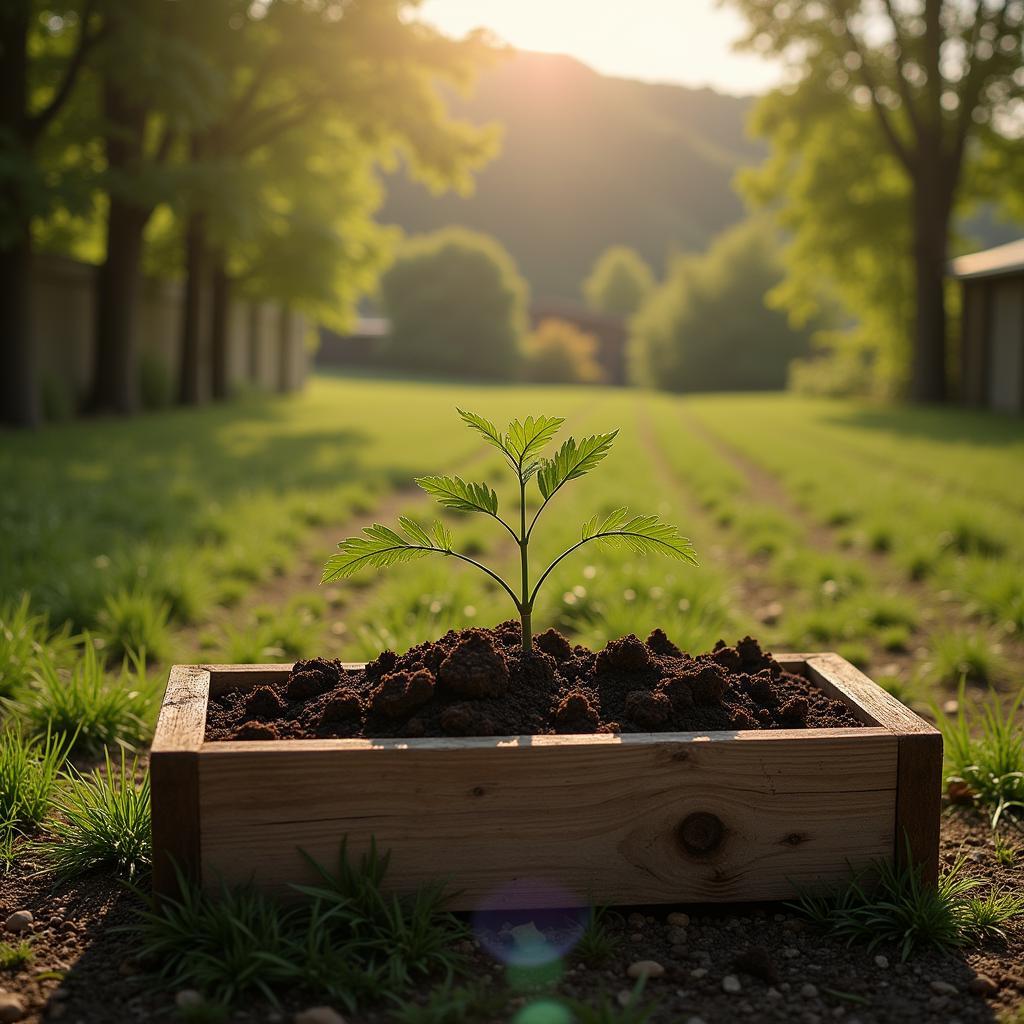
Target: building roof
{"type": "Point", "coordinates": [1003, 259]}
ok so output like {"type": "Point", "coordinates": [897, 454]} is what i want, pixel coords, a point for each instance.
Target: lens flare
{"type": "Point", "coordinates": [529, 938]}
{"type": "Point", "coordinates": [546, 1011]}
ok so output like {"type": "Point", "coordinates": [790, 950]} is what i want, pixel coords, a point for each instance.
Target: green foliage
{"type": "Point", "coordinates": [606, 1009]}
{"type": "Point", "coordinates": [15, 956]}
{"type": "Point", "coordinates": [29, 776]}
{"type": "Point", "coordinates": [346, 938]}
{"type": "Point", "coordinates": [707, 326]}
{"type": "Point", "coordinates": [25, 641]}
{"type": "Point", "coordinates": [891, 903]}
{"type": "Point", "coordinates": [984, 749]}
{"type": "Point", "coordinates": [619, 282]}
{"type": "Point", "coordinates": [102, 824]}
{"type": "Point", "coordinates": [456, 305]}
{"type": "Point", "coordinates": [134, 624]}
{"type": "Point", "coordinates": [521, 445]}
{"type": "Point", "coordinates": [84, 707]}
{"type": "Point", "coordinates": [450, 1003]}
{"type": "Point", "coordinates": [558, 352]}
{"type": "Point", "coordinates": [599, 942]}
{"type": "Point", "coordinates": [965, 657]}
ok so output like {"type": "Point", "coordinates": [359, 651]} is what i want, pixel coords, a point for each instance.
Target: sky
{"type": "Point", "coordinates": [684, 41]}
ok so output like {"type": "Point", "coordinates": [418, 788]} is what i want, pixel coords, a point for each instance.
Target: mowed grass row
{"type": "Point", "coordinates": [964, 548]}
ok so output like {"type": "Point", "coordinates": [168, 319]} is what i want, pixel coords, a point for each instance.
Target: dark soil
{"type": "Point", "coordinates": [478, 682]}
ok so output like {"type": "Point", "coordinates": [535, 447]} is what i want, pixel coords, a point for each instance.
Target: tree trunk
{"type": "Point", "coordinates": [220, 304]}
{"type": "Point", "coordinates": [190, 380]}
{"type": "Point", "coordinates": [115, 386]}
{"type": "Point", "coordinates": [932, 205]}
{"type": "Point", "coordinates": [284, 348]}
{"type": "Point", "coordinates": [19, 395]}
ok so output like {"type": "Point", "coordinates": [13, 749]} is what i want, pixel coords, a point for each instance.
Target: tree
{"type": "Point", "coordinates": [707, 326]}
{"type": "Point", "coordinates": [457, 305]}
{"type": "Point", "coordinates": [558, 352]}
{"type": "Point", "coordinates": [294, 66]}
{"type": "Point", "coordinates": [619, 281]}
{"type": "Point", "coordinates": [151, 83]}
{"type": "Point", "coordinates": [928, 73]}
{"type": "Point", "coordinates": [34, 92]}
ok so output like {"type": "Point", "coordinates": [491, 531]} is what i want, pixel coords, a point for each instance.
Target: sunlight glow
{"type": "Point", "coordinates": [684, 41]}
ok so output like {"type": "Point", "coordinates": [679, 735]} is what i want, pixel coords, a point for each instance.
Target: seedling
{"type": "Point", "coordinates": [522, 445]}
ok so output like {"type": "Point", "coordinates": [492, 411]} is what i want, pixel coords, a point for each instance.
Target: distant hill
{"type": "Point", "coordinates": [590, 161]}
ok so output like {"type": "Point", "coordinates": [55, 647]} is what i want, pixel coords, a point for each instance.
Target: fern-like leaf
{"type": "Point", "coordinates": [573, 460]}
{"type": "Point", "coordinates": [380, 546]}
{"type": "Point", "coordinates": [454, 492]}
{"type": "Point", "coordinates": [485, 428]}
{"type": "Point", "coordinates": [642, 534]}
{"type": "Point", "coordinates": [526, 438]}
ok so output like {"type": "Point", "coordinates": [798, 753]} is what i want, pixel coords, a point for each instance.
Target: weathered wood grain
{"type": "Point", "coordinates": [174, 777]}
{"type": "Point", "coordinates": [598, 820]}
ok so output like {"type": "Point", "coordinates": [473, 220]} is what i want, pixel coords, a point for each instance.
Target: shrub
{"type": "Point", "coordinates": [619, 281]}
{"type": "Point", "coordinates": [456, 304]}
{"type": "Point", "coordinates": [708, 326]}
{"type": "Point", "coordinates": [558, 352]}
{"type": "Point", "coordinates": [133, 623]}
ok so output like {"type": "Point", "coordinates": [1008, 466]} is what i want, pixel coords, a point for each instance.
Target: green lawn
{"type": "Point", "coordinates": [895, 536]}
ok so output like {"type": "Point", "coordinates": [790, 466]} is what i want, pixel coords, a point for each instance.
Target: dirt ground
{"type": "Point", "coordinates": [781, 968]}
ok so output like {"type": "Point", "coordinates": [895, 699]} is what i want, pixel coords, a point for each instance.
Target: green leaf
{"type": "Point", "coordinates": [380, 547]}
{"type": "Point", "coordinates": [485, 427]}
{"type": "Point", "coordinates": [573, 460]}
{"type": "Point", "coordinates": [454, 492]}
{"type": "Point", "coordinates": [526, 438]}
{"type": "Point", "coordinates": [414, 531]}
{"type": "Point", "coordinates": [642, 534]}
{"type": "Point", "coordinates": [443, 536]}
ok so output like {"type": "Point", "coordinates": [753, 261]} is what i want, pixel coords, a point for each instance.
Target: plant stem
{"type": "Point", "coordinates": [526, 605]}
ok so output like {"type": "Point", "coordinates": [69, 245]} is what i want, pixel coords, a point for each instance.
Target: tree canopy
{"type": "Point", "coordinates": [457, 304]}
{"type": "Point", "coordinates": [707, 327]}
{"type": "Point", "coordinates": [619, 281]}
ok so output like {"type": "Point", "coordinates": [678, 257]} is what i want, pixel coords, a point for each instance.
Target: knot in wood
{"type": "Point", "coordinates": [700, 833]}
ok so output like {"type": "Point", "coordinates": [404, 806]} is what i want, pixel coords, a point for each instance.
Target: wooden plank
{"type": "Point", "coordinates": [174, 777]}
{"type": "Point", "coordinates": [605, 821]}
{"type": "Point", "coordinates": [919, 801]}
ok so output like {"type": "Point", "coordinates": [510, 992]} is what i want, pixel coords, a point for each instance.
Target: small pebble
{"type": "Point", "coordinates": [19, 921]}
{"type": "Point", "coordinates": [881, 961]}
{"type": "Point", "coordinates": [790, 953]}
{"type": "Point", "coordinates": [938, 1002]}
{"type": "Point", "coordinates": [982, 985]}
{"type": "Point", "coordinates": [188, 999]}
{"type": "Point", "coordinates": [318, 1015]}
{"type": "Point", "coordinates": [678, 920]}
{"type": "Point", "coordinates": [636, 920]}
{"type": "Point", "coordinates": [943, 988]}
{"type": "Point", "coordinates": [12, 1007]}
{"type": "Point", "coordinates": [699, 972]}
{"type": "Point", "coordinates": [624, 997]}
{"type": "Point", "coordinates": [731, 984]}
{"type": "Point", "coordinates": [636, 937]}
{"type": "Point", "coordinates": [809, 991]}
{"type": "Point", "coordinates": [645, 969]}
{"type": "Point", "coordinates": [773, 994]}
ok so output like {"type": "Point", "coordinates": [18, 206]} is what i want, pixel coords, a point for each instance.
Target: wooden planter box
{"type": "Point", "coordinates": [633, 819]}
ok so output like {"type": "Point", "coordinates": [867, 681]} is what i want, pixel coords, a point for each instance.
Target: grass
{"type": "Point", "coordinates": [347, 939]}
{"type": "Point", "coordinates": [90, 708]}
{"type": "Point", "coordinates": [891, 904]}
{"type": "Point", "coordinates": [25, 638]}
{"type": "Point", "coordinates": [14, 956]}
{"type": "Point", "coordinates": [966, 657]}
{"type": "Point", "coordinates": [598, 943]}
{"type": "Point", "coordinates": [984, 749]}
{"type": "Point", "coordinates": [134, 624]}
{"type": "Point", "coordinates": [29, 777]}
{"type": "Point", "coordinates": [101, 824]}
{"type": "Point", "coordinates": [451, 1003]}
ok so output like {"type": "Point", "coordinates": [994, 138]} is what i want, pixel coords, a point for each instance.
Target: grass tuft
{"type": "Point", "coordinates": [25, 638]}
{"type": "Point", "coordinates": [102, 824]}
{"type": "Point", "coordinates": [29, 777]}
{"type": "Point", "coordinates": [451, 1004]}
{"type": "Point", "coordinates": [134, 624]}
{"type": "Point", "coordinates": [15, 956]}
{"type": "Point", "coordinates": [598, 943]}
{"type": "Point", "coordinates": [891, 903]}
{"type": "Point", "coordinates": [83, 704]}
{"type": "Point", "coordinates": [984, 749]}
{"type": "Point", "coordinates": [965, 658]}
